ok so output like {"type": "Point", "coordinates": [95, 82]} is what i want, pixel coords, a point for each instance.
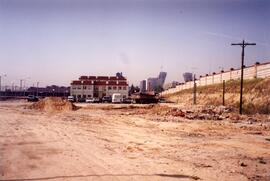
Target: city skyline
{"type": "Point", "coordinates": [54, 42]}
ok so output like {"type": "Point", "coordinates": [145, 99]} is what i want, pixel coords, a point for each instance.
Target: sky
{"type": "Point", "coordinates": [56, 41]}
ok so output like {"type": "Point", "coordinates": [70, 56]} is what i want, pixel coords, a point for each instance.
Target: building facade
{"type": "Point", "coordinates": [153, 83]}
{"type": "Point", "coordinates": [143, 86]}
{"type": "Point", "coordinates": [98, 86]}
{"type": "Point", "coordinates": [170, 85]}
{"type": "Point", "coordinates": [188, 76]}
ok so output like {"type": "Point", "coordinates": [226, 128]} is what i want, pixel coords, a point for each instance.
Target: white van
{"type": "Point", "coordinates": [117, 98]}
{"type": "Point", "coordinates": [71, 98]}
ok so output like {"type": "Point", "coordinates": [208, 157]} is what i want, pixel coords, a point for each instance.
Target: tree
{"type": "Point", "coordinates": [133, 89]}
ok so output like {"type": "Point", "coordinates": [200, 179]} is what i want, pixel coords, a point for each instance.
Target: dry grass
{"type": "Point", "coordinates": [256, 95]}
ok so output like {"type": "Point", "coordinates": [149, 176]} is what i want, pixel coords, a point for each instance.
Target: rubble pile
{"type": "Point", "coordinates": [205, 113]}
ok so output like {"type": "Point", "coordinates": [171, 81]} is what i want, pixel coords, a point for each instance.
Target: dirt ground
{"type": "Point", "coordinates": [117, 142]}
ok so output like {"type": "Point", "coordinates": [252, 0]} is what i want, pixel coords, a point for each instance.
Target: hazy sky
{"type": "Point", "coordinates": [56, 41]}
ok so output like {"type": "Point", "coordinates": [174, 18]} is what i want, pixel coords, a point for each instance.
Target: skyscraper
{"type": "Point", "coordinates": [187, 76]}
{"type": "Point", "coordinates": [162, 77]}
{"type": "Point", "coordinates": [143, 86]}
{"type": "Point", "coordinates": [154, 83]}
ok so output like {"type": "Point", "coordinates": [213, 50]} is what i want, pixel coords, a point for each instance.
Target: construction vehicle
{"type": "Point", "coordinates": [144, 98]}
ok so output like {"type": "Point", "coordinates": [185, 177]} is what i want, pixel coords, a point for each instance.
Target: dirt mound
{"type": "Point", "coordinates": [53, 104]}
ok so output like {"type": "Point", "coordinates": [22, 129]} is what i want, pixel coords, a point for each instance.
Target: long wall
{"type": "Point", "coordinates": [254, 71]}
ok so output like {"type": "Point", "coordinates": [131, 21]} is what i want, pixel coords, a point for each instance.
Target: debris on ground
{"type": "Point", "coordinates": [243, 164]}
{"type": "Point", "coordinates": [204, 113]}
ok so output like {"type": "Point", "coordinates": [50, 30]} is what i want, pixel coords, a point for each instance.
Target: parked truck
{"type": "Point", "coordinates": [117, 98]}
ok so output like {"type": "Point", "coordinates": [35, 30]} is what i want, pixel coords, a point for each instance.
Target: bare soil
{"type": "Point", "coordinates": [130, 142]}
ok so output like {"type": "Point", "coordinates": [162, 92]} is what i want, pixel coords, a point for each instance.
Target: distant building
{"type": "Point", "coordinates": [188, 76]}
{"type": "Point", "coordinates": [170, 85]}
{"type": "Point", "coordinates": [155, 83]}
{"type": "Point", "coordinates": [143, 86]}
{"type": "Point", "coordinates": [52, 90]}
{"type": "Point", "coordinates": [151, 84]}
{"type": "Point", "coordinates": [99, 86]}
{"type": "Point", "coordinates": [161, 78]}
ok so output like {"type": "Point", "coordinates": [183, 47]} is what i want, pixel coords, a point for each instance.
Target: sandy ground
{"type": "Point", "coordinates": [102, 144]}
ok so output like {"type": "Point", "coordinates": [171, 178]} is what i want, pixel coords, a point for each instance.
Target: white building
{"type": "Point", "coordinates": [99, 86]}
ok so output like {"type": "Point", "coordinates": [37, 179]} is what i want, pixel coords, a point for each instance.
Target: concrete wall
{"type": "Point", "coordinates": [254, 71]}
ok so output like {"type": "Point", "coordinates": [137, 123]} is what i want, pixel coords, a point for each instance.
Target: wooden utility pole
{"type": "Point", "coordinates": [21, 81]}
{"type": "Point", "coordinates": [37, 88]}
{"type": "Point", "coordinates": [194, 90]}
{"type": "Point", "coordinates": [243, 45]}
{"type": "Point", "coordinates": [223, 93]}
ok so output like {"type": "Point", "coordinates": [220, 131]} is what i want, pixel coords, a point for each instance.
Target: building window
{"type": "Point", "coordinates": [84, 87]}
{"type": "Point", "coordinates": [109, 88]}
{"type": "Point", "coordinates": [120, 88]}
{"type": "Point", "coordinates": [89, 87]}
{"type": "Point", "coordinates": [74, 88]}
{"type": "Point", "coordinates": [89, 95]}
{"type": "Point", "coordinates": [79, 88]}
{"type": "Point", "coordinates": [114, 87]}
{"type": "Point", "coordinates": [84, 96]}
{"type": "Point", "coordinates": [124, 88]}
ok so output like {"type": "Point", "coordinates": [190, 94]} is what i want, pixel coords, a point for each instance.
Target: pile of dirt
{"type": "Point", "coordinates": [53, 104]}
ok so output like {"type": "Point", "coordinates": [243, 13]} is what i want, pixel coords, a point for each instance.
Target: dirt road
{"type": "Point", "coordinates": [115, 144]}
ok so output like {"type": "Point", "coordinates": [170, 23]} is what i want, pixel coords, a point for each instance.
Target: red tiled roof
{"type": "Point", "coordinates": [122, 78]}
{"type": "Point", "coordinates": [102, 78]}
{"type": "Point", "coordinates": [117, 78]}
{"type": "Point", "coordinates": [113, 78]}
{"type": "Point", "coordinates": [84, 77]}
{"type": "Point", "coordinates": [92, 77]}
{"type": "Point", "coordinates": [122, 83]}
{"type": "Point", "coordinates": [76, 82]}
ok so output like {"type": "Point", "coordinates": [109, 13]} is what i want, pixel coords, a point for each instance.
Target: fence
{"type": "Point", "coordinates": [254, 71]}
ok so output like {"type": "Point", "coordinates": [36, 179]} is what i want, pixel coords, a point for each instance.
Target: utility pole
{"type": "Point", "coordinates": [194, 90]}
{"type": "Point", "coordinates": [223, 93]}
{"type": "Point", "coordinates": [1, 81]}
{"type": "Point", "coordinates": [37, 88]}
{"type": "Point", "coordinates": [21, 80]}
{"type": "Point", "coordinates": [24, 85]}
{"type": "Point", "coordinates": [243, 45]}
